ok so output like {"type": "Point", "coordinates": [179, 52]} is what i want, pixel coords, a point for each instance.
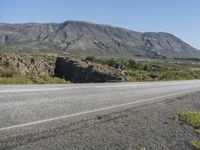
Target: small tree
{"type": "Point", "coordinates": [145, 67]}
{"type": "Point", "coordinates": [131, 63]}
{"type": "Point", "coordinates": [112, 62]}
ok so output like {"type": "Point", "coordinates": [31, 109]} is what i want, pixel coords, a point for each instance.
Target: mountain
{"type": "Point", "coordinates": [89, 39]}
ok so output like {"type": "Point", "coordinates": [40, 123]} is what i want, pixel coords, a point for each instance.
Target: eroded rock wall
{"type": "Point", "coordinates": [73, 71]}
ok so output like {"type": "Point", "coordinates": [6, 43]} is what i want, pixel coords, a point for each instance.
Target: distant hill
{"type": "Point", "coordinates": [89, 39]}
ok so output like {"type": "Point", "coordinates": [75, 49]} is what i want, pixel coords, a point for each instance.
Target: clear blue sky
{"type": "Point", "coordinates": [179, 17]}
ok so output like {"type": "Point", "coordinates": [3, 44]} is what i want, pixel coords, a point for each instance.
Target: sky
{"type": "Point", "coordinates": [179, 17]}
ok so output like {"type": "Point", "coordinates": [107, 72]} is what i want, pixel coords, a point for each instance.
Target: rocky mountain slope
{"type": "Point", "coordinates": [87, 39]}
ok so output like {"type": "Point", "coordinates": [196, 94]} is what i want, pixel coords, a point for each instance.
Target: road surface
{"type": "Point", "coordinates": [36, 108]}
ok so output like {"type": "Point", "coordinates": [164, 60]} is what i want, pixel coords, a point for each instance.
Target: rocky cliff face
{"type": "Point", "coordinates": [83, 38]}
{"type": "Point", "coordinates": [78, 72]}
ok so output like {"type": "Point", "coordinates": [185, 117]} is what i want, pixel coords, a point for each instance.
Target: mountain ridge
{"type": "Point", "coordinates": [89, 39]}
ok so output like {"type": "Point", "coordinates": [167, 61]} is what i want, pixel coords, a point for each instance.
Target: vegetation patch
{"type": "Point", "coordinates": [153, 69]}
{"type": "Point", "coordinates": [31, 79]}
{"type": "Point", "coordinates": [197, 131]}
{"type": "Point", "coordinates": [192, 118]}
{"type": "Point", "coordinates": [195, 144]}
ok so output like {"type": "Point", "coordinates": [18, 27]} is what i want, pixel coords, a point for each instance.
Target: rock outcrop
{"type": "Point", "coordinates": [80, 72]}
{"type": "Point", "coordinates": [68, 68]}
{"type": "Point", "coordinates": [29, 63]}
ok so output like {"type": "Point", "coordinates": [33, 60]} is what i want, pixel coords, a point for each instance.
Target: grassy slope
{"type": "Point", "coordinates": [31, 79]}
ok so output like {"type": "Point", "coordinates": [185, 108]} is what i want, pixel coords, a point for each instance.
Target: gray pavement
{"type": "Point", "coordinates": [38, 106]}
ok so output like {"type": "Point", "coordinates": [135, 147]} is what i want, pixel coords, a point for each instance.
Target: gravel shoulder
{"type": "Point", "coordinates": [150, 126]}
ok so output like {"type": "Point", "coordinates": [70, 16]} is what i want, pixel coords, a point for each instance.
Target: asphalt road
{"type": "Point", "coordinates": [33, 108]}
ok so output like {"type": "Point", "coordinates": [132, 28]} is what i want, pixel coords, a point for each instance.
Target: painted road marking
{"type": "Point", "coordinates": [30, 90]}
{"type": "Point", "coordinates": [78, 87]}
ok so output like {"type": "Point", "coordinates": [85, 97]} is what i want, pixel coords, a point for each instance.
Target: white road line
{"type": "Point", "coordinates": [52, 89]}
{"type": "Point", "coordinates": [127, 85]}
{"type": "Point", "coordinates": [97, 110]}
{"type": "Point", "coordinates": [30, 90]}
{"type": "Point", "coordinates": [78, 87]}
